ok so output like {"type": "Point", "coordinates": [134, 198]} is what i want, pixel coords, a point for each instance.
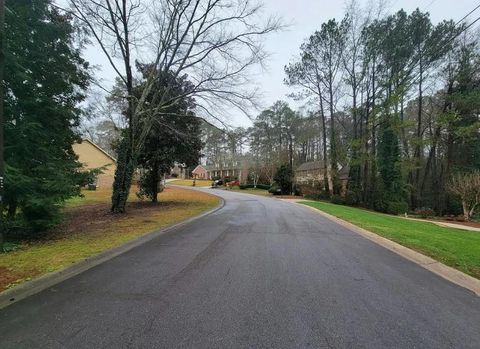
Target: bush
{"type": "Point", "coordinates": [351, 198]}
{"type": "Point", "coordinates": [424, 212]}
{"type": "Point", "coordinates": [396, 207]}
{"type": "Point", "coordinates": [338, 200]}
{"type": "Point", "coordinates": [275, 189]}
{"type": "Point", "coordinates": [317, 196]}
{"type": "Point", "coordinates": [174, 175]}
{"type": "Point", "coordinates": [259, 186]}
{"type": "Point", "coordinates": [40, 215]}
{"type": "Point", "coordinates": [284, 178]}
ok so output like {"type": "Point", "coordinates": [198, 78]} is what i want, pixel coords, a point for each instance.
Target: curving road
{"type": "Point", "coordinates": [259, 273]}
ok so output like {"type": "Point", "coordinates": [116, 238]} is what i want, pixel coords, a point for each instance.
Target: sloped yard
{"type": "Point", "coordinates": [89, 228]}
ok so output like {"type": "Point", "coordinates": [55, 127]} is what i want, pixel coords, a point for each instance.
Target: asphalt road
{"type": "Point", "coordinates": [259, 273]}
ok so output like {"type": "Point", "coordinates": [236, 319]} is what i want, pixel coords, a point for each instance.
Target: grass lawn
{"type": "Point", "coordinates": [457, 248]}
{"type": "Point", "coordinates": [189, 182]}
{"type": "Point", "coordinates": [255, 191]}
{"type": "Point", "coordinates": [89, 228]}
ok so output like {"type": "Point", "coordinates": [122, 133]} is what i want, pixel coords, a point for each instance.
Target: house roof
{"type": "Point", "coordinates": [100, 149]}
{"type": "Point", "coordinates": [198, 167]}
{"type": "Point", "coordinates": [224, 168]}
{"type": "Point", "coordinates": [319, 165]}
{"type": "Point", "coordinates": [311, 166]}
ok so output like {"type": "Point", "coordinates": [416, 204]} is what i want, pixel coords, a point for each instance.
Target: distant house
{"type": "Point", "coordinates": [200, 172]}
{"type": "Point", "coordinates": [92, 156]}
{"type": "Point", "coordinates": [236, 171]}
{"type": "Point", "coordinates": [313, 172]}
{"type": "Point", "coordinates": [179, 171]}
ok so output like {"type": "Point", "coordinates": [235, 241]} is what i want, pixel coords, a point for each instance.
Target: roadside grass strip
{"type": "Point", "coordinates": [456, 248]}
{"type": "Point", "coordinates": [189, 182]}
{"type": "Point", "coordinates": [90, 228]}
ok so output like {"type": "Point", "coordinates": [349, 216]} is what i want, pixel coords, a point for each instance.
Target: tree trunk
{"type": "Point", "coordinates": [333, 142]}
{"type": "Point", "coordinates": [466, 211]}
{"type": "Point", "coordinates": [126, 165]}
{"type": "Point", "coordinates": [326, 184]}
{"type": "Point", "coordinates": [155, 182]}
{"type": "Point", "coordinates": [418, 147]}
{"type": "Point", "coordinates": [2, 163]}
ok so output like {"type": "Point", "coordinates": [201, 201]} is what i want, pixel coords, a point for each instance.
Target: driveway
{"type": "Point", "coordinates": [259, 273]}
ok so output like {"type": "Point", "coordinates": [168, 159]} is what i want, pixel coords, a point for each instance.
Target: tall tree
{"type": "Point", "coordinates": [215, 43]}
{"type": "Point", "coordinates": [45, 80]}
{"type": "Point", "coordinates": [175, 137]}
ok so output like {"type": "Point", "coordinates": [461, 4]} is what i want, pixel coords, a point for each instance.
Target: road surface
{"type": "Point", "coordinates": [259, 273]}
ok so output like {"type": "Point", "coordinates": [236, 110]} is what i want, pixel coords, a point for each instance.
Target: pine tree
{"type": "Point", "coordinates": [45, 79]}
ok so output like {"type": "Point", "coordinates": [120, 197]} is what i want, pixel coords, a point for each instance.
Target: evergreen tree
{"type": "Point", "coordinates": [45, 79]}
{"type": "Point", "coordinates": [174, 137]}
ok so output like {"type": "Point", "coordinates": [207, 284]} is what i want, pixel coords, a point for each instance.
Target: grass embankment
{"type": "Point", "coordinates": [457, 248]}
{"type": "Point", "coordinates": [256, 191]}
{"type": "Point", "coordinates": [189, 182]}
{"type": "Point", "coordinates": [89, 228]}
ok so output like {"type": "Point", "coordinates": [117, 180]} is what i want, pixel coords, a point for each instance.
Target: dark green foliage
{"type": "Point", "coordinates": [275, 189]}
{"type": "Point", "coordinates": [389, 165]}
{"type": "Point", "coordinates": [126, 164]}
{"type": "Point", "coordinates": [45, 79]}
{"type": "Point", "coordinates": [396, 207]}
{"type": "Point", "coordinates": [149, 186]}
{"type": "Point", "coordinates": [174, 135]}
{"type": "Point", "coordinates": [259, 186]}
{"type": "Point", "coordinates": [337, 199]}
{"type": "Point", "coordinates": [284, 179]}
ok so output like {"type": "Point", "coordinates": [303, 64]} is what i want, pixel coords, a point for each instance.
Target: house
{"type": "Point", "coordinates": [235, 171]}
{"type": "Point", "coordinates": [92, 156]}
{"type": "Point", "coordinates": [200, 172]}
{"type": "Point", "coordinates": [313, 172]}
{"type": "Point", "coordinates": [179, 171]}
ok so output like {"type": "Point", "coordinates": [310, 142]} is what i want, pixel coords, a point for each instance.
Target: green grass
{"type": "Point", "coordinates": [457, 248]}
{"type": "Point", "coordinates": [256, 191]}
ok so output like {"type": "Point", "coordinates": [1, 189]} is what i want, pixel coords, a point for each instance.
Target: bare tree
{"type": "Point", "coordinates": [214, 42]}
{"type": "Point", "coordinates": [467, 187]}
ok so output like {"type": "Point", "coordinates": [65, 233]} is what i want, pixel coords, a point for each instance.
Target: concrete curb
{"type": "Point", "coordinates": [41, 283]}
{"type": "Point", "coordinates": [453, 275]}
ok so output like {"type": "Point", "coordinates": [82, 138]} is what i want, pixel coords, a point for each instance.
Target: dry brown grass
{"type": "Point", "coordinates": [90, 228]}
{"type": "Point", "coordinates": [189, 182]}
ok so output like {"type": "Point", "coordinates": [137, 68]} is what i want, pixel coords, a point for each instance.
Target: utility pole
{"type": "Point", "coordinates": [2, 161]}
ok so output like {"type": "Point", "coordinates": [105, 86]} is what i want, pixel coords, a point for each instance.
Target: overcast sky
{"type": "Point", "coordinates": [305, 16]}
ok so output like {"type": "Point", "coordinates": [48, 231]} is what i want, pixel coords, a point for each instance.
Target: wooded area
{"type": "Point", "coordinates": [395, 98]}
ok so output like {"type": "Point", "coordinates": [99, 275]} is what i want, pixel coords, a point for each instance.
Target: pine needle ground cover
{"type": "Point", "coordinates": [457, 248]}
{"type": "Point", "coordinates": [89, 228]}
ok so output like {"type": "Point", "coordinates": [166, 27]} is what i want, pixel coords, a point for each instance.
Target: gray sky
{"type": "Point", "coordinates": [305, 16]}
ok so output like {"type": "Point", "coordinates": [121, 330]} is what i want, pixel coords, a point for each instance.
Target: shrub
{"type": "Point", "coordinates": [284, 178]}
{"type": "Point", "coordinates": [40, 216]}
{"type": "Point", "coordinates": [259, 186]}
{"type": "Point", "coordinates": [425, 212]}
{"type": "Point", "coordinates": [351, 198]}
{"type": "Point", "coordinates": [396, 207]}
{"type": "Point", "coordinates": [275, 189]}
{"type": "Point", "coordinates": [338, 200]}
